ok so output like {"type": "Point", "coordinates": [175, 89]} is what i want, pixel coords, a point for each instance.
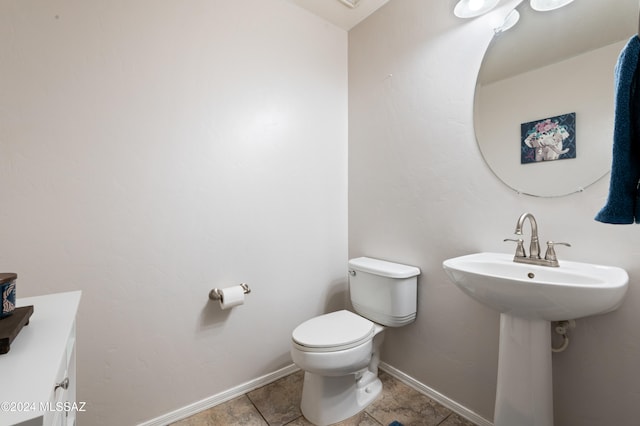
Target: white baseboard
{"type": "Point", "coordinates": [435, 395]}
{"type": "Point", "coordinates": [221, 397]}
{"type": "Point", "coordinates": [214, 400]}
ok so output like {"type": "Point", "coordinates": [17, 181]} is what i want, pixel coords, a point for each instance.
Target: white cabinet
{"type": "Point", "coordinates": [38, 374]}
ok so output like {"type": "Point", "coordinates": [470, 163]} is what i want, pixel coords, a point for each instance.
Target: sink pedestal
{"type": "Point", "coordinates": [528, 298]}
{"type": "Point", "coordinates": [525, 387]}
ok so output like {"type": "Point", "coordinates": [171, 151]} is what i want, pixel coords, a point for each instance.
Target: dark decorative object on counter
{"type": "Point", "coordinates": [7, 294]}
{"type": "Point", "coordinates": [12, 319]}
{"type": "Point", "coordinates": [11, 326]}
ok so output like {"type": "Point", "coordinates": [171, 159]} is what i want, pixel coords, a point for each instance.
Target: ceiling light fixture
{"type": "Point", "coordinates": [509, 21]}
{"type": "Point", "coordinates": [350, 3]}
{"type": "Point", "coordinates": [547, 5]}
{"type": "Point", "coordinates": [473, 8]}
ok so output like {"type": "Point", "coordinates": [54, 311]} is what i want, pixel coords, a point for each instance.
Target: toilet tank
{"type": "Point", "coordinates": [384, 292]}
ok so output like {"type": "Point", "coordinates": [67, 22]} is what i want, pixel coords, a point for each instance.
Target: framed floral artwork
{"type": "Point", "coordinates": [549, 139]}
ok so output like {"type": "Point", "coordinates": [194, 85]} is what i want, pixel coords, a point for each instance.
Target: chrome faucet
{"type": "Point", "coordinates": [534, 247]}
{"type": "Point", "coordinates": [550, 258]}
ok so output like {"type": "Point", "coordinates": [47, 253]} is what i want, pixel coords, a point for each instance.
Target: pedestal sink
{"type": "Point", "coordinates": [528, 297]}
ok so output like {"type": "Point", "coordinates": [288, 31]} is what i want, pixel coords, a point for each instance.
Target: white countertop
{"type": "Point", "coordinates": [28, 371]}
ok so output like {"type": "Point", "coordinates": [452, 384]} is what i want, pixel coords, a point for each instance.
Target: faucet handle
{"type": "Point", "coordinates": [519, 248]}
{"type": "Point", "coordinates": [551, 252]}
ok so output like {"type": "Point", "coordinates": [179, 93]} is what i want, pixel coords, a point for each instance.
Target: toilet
{"type": "Point", "coordinates": [340, 351]}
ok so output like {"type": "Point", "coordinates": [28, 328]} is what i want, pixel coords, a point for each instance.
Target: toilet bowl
{"type": "Point", "coordinates": [339, 351]}
{"type": "Point", "coordinates": [339, 354]}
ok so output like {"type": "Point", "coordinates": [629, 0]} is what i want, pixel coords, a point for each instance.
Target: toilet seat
{"type": "Point", "coordinates": [332, 332]}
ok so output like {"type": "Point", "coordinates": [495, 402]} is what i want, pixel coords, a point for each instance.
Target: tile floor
{"type": "Point", "coordinates": [278, 404]}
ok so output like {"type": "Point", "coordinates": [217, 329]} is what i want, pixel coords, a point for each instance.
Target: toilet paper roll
{"type": "Point", "coordinates": [231, 296]}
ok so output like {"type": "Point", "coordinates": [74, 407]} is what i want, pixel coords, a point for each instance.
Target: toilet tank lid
{"type": "Point", "coordinates": [383, 268]}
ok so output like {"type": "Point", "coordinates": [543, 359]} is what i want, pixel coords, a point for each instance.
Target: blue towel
{"type": "Point", "coordinates": [395, 423]}
{"type": "Point", "coordinates": [623, 206]}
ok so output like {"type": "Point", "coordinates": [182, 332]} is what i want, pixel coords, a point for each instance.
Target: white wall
{"type": "Point", "coordinates": [419, 192]}
{"type": "Point", "coordinates": [153, 150]}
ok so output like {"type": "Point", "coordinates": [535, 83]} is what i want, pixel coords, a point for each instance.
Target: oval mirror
{"type": "Point", "coordinates": [543, 108]}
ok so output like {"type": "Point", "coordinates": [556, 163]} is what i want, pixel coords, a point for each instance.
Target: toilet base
{"type": "Point", "coordinates": [331, 399]}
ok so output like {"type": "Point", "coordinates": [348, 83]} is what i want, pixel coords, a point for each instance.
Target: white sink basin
{"type": "Point", "coordinates": [572, 290]}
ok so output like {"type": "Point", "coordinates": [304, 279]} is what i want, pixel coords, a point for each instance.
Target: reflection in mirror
{"type": "Point", "coordinates": [552, 64]}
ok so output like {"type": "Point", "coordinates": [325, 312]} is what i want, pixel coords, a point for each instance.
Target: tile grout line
{"type": "Point", "coordinates": [445, 419]}
{"type": "Point", "coordinates": [256, 408]}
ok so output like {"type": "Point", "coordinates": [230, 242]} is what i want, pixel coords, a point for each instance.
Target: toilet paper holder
{"type": "Point", "coordinates": [215, 293]}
